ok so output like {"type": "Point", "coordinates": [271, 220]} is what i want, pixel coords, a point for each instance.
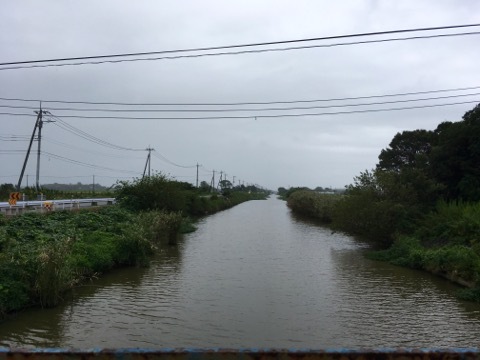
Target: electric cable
{"type": "Point", "coordinates": [64, 125]}
{"type": "Point", "coordinates": [163, 158]}
{"type": "Point", "coordinates": [68, 146]}
{"type": "Point", "coordinates": [253, 109]}
{"type": "Point", "coordinates": [81, 163]}
{"type": "Point", "coordinates": [226, 47]}
{"type": "Point", "coordinates": [237, 52]}
{"type": "Point", "coordinates": [257, 116]}
{"type": "Point", "coordinates": [243, 103]}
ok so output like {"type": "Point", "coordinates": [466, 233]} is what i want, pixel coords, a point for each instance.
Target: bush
{"type": "Point", "coordinates": [365, 215]}
{"type": "Point", "coordinates": [155, 192]}
{"type": "Point", "coordinates": [42, 256]}
{"type": "Point", "coordinates": [455, 261]}
{"type": "Point", "coordinates": [94, 252]}
{"type": "Point", "coordinates": [453, 223]}
{"type": "Point", "coordinates": [53, 274]}
{"type": "Point", "coordinates": [313, 204]}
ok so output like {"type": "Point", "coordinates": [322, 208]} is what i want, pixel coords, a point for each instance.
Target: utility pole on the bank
{"type": "Point", "coordinates": [147, 163]}
{"type": "Point", "coordinates": [197, 174]}
{"type": "Point", "coordinates": [40, 126]}
{"type": "Point", "coordinates": [39, 121]}
{"type": "Point", "coordinates": [212, 183]}
{"type": "Point", "coordinates": [220, 181]}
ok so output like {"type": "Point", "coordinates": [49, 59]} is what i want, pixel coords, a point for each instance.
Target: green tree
{"type": "Point", "coordinates": [226, 187]}
{"type": "Point", "coordinates": [409, 149]}
{"type": "Point", "coordinates": [155, 192]}
{"type": "Point", "coordinates": [204, 186]}
{"type": "Point", "coordinates": [456, 158]}
{"type": "Point", "coordinates": [5, 190]}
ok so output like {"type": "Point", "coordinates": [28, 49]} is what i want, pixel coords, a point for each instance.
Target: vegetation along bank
{"type": "Point", "coordinates": [43, 256]}
{"type": "Point", "coordinates": [421, 202]}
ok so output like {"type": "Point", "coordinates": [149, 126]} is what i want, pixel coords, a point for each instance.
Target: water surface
{"type": "Point", "coordinates": [256, 276]}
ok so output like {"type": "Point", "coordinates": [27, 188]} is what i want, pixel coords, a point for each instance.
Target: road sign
{"type": "Point", "coordinates": [15, 196]}
{"type": "Point", "coordinates": [12, 201]}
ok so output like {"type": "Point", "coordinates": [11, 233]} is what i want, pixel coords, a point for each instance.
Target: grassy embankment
{"type": "Point", "coordinates": [421, 203]}
{"type": "Point", "coordinates": [42, 256]}
{"type": "Point", "coordinates": [445, 241]}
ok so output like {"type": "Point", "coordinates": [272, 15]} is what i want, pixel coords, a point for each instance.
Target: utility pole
{"type": "Point", "coordinates": [40, 125]}
{"type": "Point", "coordinates": [147, 163]}
{"type": "Point", "coordinates": [233, 184]}
{"type": "Point", "coordinates": [212, 184]}
{"type": "Point", "coordinates": [93, 184]}
{"type": "Point", "coordinates": [197, 174]}
{"type": "Point", "coordinates": [39, 119]}
{"type": "Point", "coordinates": [220, 181]}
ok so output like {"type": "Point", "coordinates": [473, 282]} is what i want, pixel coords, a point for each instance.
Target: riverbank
{"type": "Point", "coordinates": [444, 241]}
{"type": "Point", "coordinates": [43, 256]}
{"type": "Point", "coordinates": [254, 276]}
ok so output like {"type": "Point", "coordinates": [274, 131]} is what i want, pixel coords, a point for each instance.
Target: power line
{"type": "Point", "coordinates": [259, 116]}
{"type": "Point", "coordinates": [227, 47]}
{"type": "Point", "coordinates": [157, 154]}
{"type": "Point", "coordinates": [238, 52]}
{"type": "Point", "coordinates": [243, 103]}
{"type": "Point", "coordinates": [53, 141]}
{"type": "Point", "coordinates": [163, 158]}
{"type": "Point", "coordinates": [12, 152]}
{"type": "Point", "coordinates": [80, 163]}
{"type": "Point", "coordinates": [254, 109]}
{"type": "Point", "coordinates": [13, 139]}
{"type": "Point", "coordinates": [70, 128]}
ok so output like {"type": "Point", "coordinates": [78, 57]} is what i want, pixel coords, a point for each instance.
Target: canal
{"type": "Point", "coordinates": [256, 276]}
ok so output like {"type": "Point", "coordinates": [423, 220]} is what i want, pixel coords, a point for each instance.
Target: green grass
{"type": "Point", "coordinates": [43, 256]}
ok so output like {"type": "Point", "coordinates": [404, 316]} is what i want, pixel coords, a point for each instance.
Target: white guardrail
{"type": "Point", "coordinates": [52, 205]}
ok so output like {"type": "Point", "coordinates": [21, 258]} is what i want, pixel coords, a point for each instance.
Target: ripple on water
{"type": "Point", "coordinates": [254, 276]}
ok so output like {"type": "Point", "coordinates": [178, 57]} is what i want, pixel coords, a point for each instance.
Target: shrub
{"type": "Point", "coordinates": [53, 274]}
{"type": "Point", "coordinates": [453, 223]}
{"type": "Point", "coordinates": [313, 204]}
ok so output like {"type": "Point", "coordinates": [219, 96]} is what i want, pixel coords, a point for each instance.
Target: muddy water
{"type": "Point", "coordinates": [256, 276]}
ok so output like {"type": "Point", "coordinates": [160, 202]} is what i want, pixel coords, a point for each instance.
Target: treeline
{"type": "Point", "coordinates": [54, 192]}
{"type": "Point", "coordinates": [76, 187]}
{"type": "Point", "coordinates": [284, 193]}
{"type": "Point", "coordinates": [42, 256]}
{"type": "Point", "coordinates": [422, 201]}
{"type": "Point", "coordinates": [160, 192]}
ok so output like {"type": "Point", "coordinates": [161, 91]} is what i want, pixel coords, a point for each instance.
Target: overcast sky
{"type": "Point", "coordinates": [315, 150]}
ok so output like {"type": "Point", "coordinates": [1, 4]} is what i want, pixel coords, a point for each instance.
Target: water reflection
{"type": "Point", "coordinates": [89, 305]}
{"type": "Point", "coordinates": [389, 306]}
{"type": "Point", "coordinates": [256, 276]}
